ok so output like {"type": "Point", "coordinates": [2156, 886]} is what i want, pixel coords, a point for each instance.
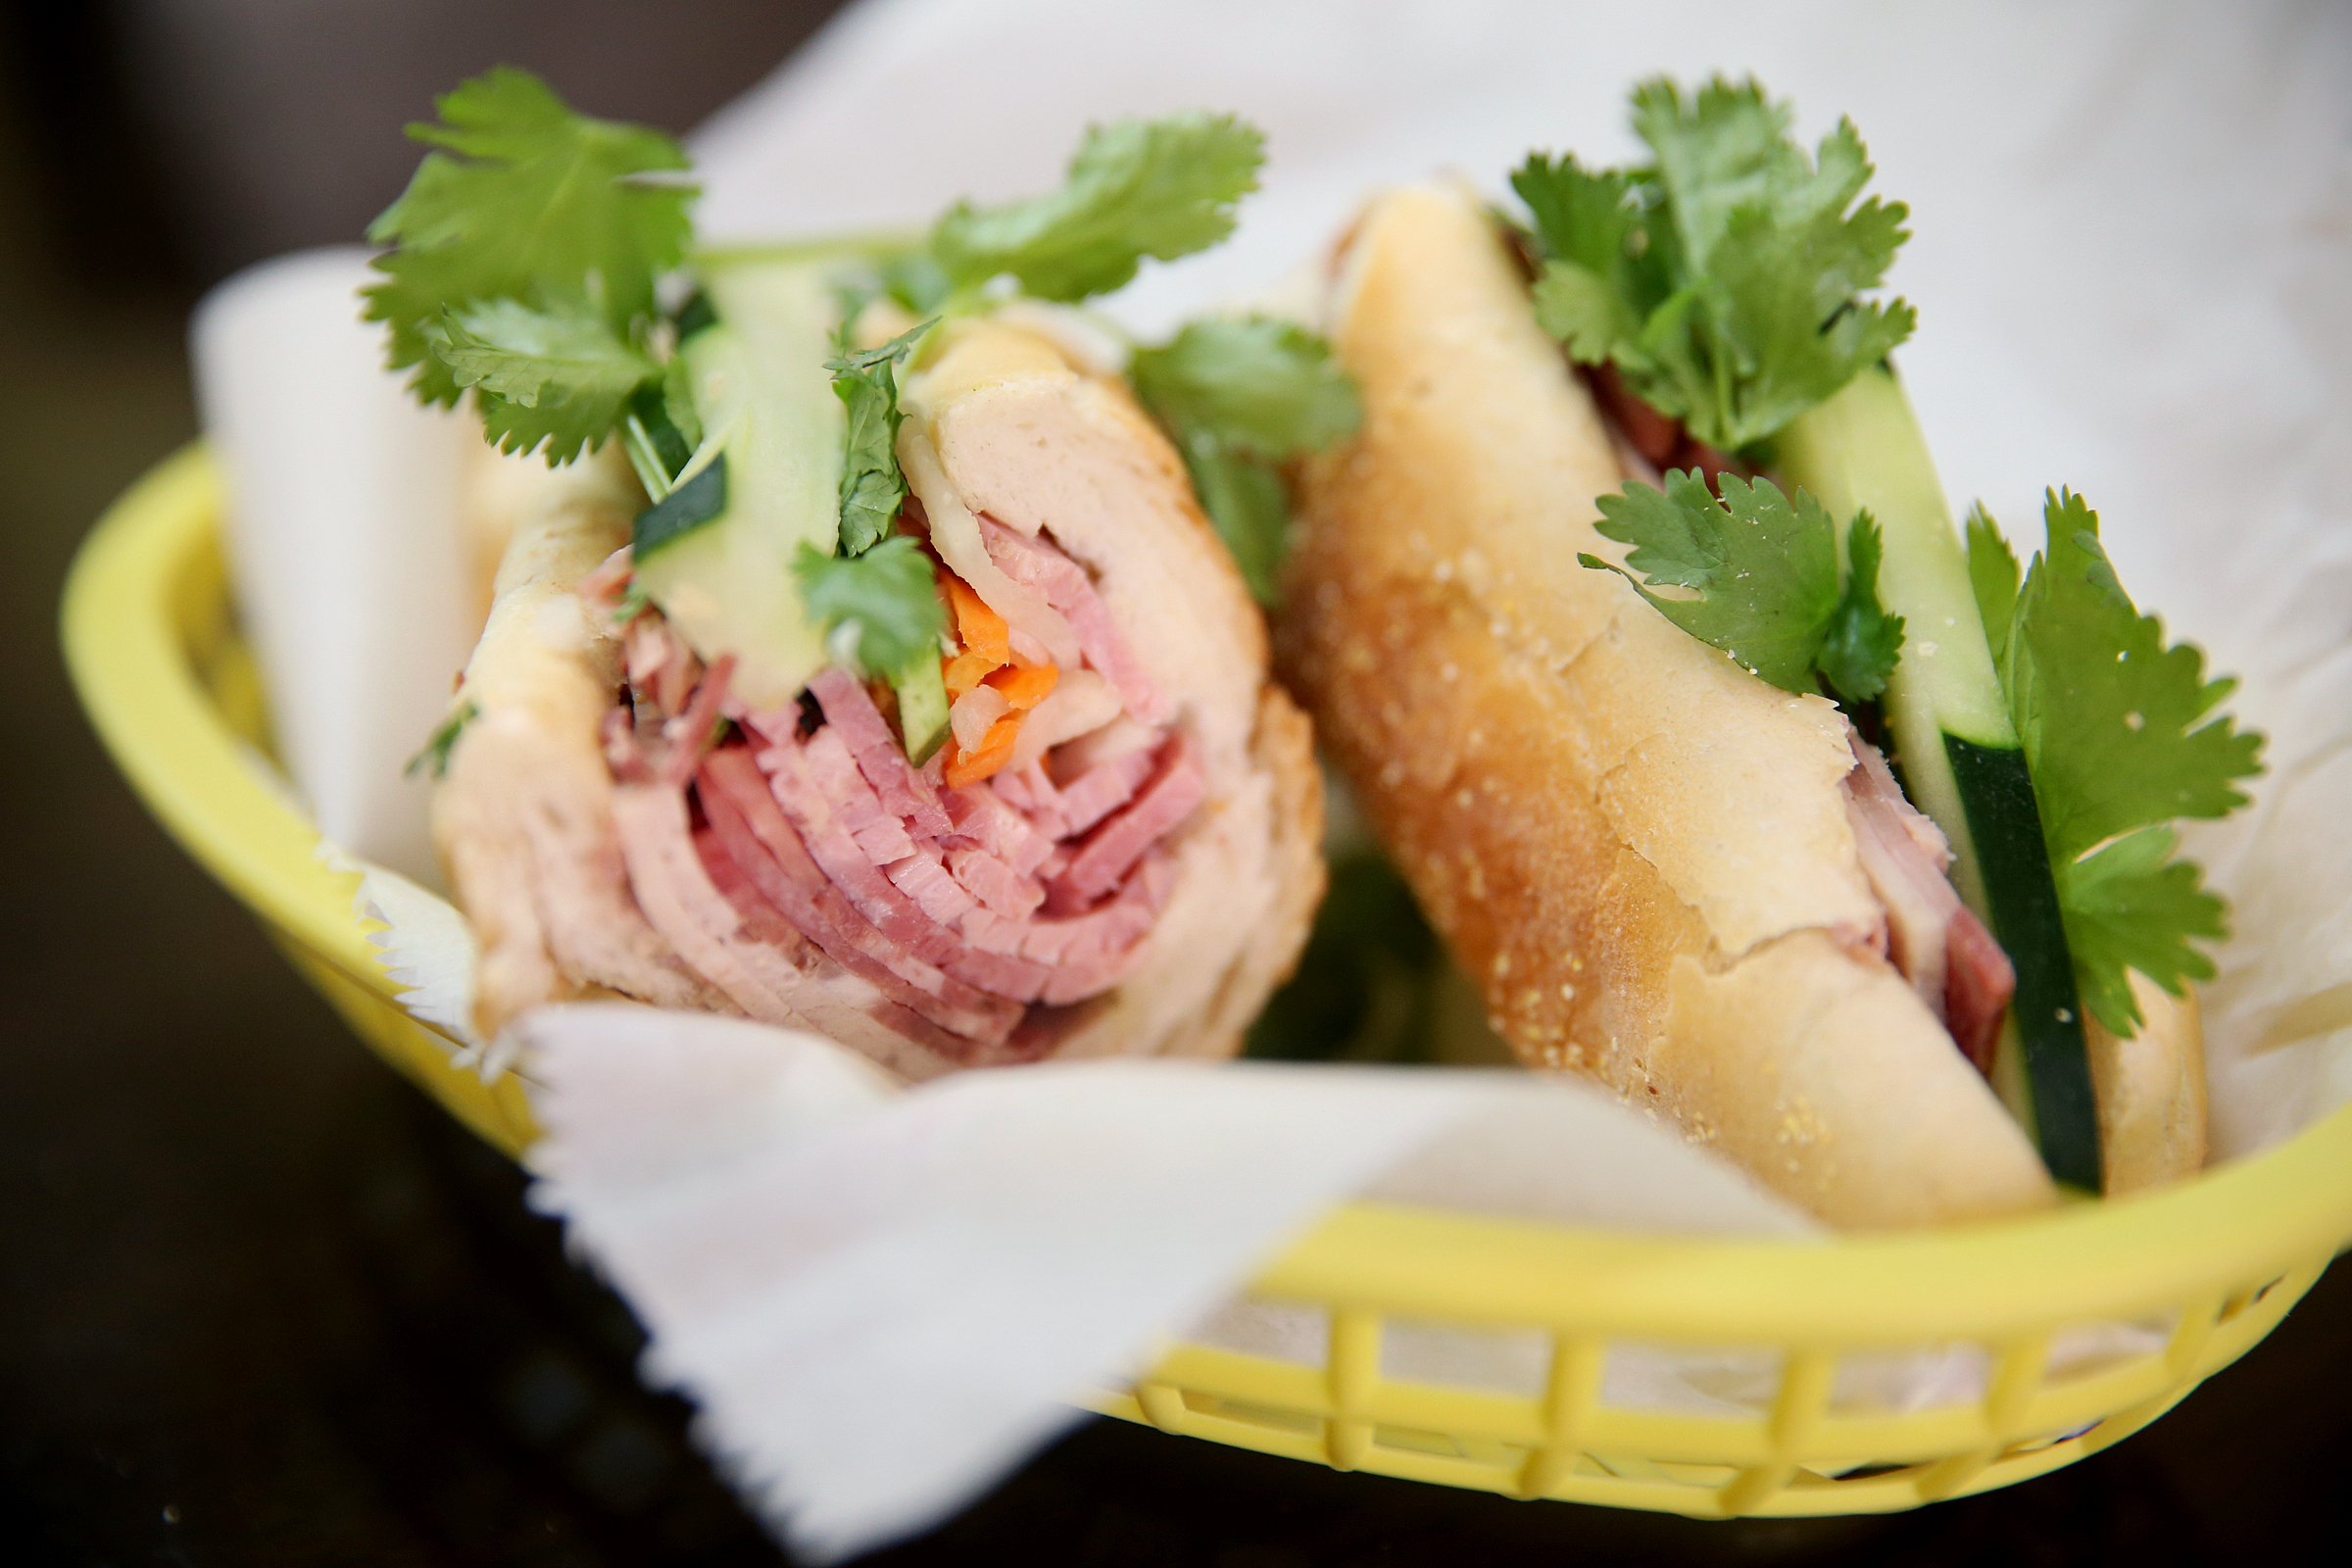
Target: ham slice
{"type": "Point", "coordinates": [761, 841]}
{"type": "Point", "coordinates": [950, 911]}
{"type": "Point", "coordinates": [821, 790]}
{"type": "Point", "coordinates": [985, 821]}
{"type": "Point", "coordinates": [1030, 791]}
{"type": "Point", "coordinates": [904, 791]}
{"type": "Point", "coordinates": [995, 884]}
{"type": "Point", "coordinates": [758, 975]}
{"type": "Point", "coordinates": [1103, 788]}
{"type": "Point", "coordinates": [831, 1000]}
{"type": "Point", "coordinates": [1107, 854]}
{"type": "Point", "coordinates": [925, 878]}
{"type": "Point", "coordinates": [1934, 939]}
{"type": "Point", "coordinates": [1978, 983]}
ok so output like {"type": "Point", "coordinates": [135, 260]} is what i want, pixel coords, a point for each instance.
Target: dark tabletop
{"type": "Point", "coordinates": [260, 1302]}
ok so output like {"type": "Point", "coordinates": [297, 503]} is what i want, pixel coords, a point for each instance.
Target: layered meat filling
{"type": "Point", "coordinates": [1017, 872]}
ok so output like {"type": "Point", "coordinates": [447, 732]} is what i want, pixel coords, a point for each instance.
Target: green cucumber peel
{"type": "Point", "coordinates": [693, 503]}
{"type": "Point", "coordinates": [1948, 714]}
{"type": "Point", "coordinates": [922, 707]}
{"type": "Point", "coordinates": [2057, 1105]}
{"type": "Point", "coordinates": [718, 560]}
{"type": "Point", "coordinates": [1862, 450]}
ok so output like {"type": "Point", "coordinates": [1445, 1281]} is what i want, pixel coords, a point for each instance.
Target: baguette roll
{"type": "Point", "coordinates": [1640, 851]}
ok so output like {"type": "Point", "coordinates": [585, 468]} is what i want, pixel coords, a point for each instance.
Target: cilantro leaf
{"type": "Point", "coordinates": [1239, 397]}
{"type": "Point", "coordinates": [552, 374]}
{"type": "Point", "coordinates": [1260, 386]}
{"type": "Point", "coordinates": [1603, 279]}
{"type": "Point", "coordinates": [1991, 576]}
{"type": "Point", "coordinates": [2131, 905]}
{"type": "Point", "coordinates": [1724, 279]}
{"type": "Point", "coordinates": [2119, 740]}
{"type": "Point", "coordinates": [1578, 307]}
{"type": "Point", "coordinates": [1162, 188]}
{"type": "Point", "coordinates": [886, 600]}
{"type": "Point", "coordinates": [1249, 506]}
{"type": "Point", "coordinates": [527, 201]}
{"type": "Point", "coordinates": [2109, 716]}
{"type": "Point", "coordinates": [1862, 643]}
{"type": "Point", "coordinates": [1588, 219]}
{"type": "Point", "coordinates": [1765, 569]}
{"type": "Point", "coordinates": [872, 487]}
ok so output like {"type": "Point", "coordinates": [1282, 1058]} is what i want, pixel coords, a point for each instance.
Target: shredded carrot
{"type": "Point", "coordinates": [1025, 688]}
{"type": "Point", "coordinates": [979, 628]}
{"type": "Point", "coordinates": [987, 759]}
{"type": "Point", "coordinates": [965, 671]}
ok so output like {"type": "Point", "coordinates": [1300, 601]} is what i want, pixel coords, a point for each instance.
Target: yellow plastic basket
{"type": "Point", "coordinates": [153, 645]}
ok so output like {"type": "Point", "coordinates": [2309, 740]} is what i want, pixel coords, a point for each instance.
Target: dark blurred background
{"type": "Point", "coordinates": [259, 1302]}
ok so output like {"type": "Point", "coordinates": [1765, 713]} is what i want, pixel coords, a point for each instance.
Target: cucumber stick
{"type": "Point", "coordinates": [767, 409]}
{"type": "Point", "coordinates": [1958, 748]}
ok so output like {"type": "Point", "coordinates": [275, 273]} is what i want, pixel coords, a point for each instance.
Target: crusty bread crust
{"type": "Point", "coordinates": [1639, 850]}
{"type": "Point", "coordinates": [2151, 1091]}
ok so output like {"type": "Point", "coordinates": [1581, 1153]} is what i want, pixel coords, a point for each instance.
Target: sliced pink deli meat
{"type": "Point", "coordinates": [1933, 939]}
{"type": "Point", "coordinates": [1106, 854]}
{"type": "Point", "coordinates": [773, 858]}
{"type": "Point", "coordinates": [904, 791]}
{"type": "Point", "coordinates": [821, 843]}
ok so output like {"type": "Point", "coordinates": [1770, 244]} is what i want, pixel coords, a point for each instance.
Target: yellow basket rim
{"type": "Point", "coordinates": [2087, 1262]}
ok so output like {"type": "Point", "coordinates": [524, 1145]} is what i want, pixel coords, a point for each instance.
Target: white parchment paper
{"type": "Point", "coordinates": [343, 539]}
{"type": "Point", "coordinates": [881, 1298]}
{"type": "Point", "coordinates": [2133, 256]}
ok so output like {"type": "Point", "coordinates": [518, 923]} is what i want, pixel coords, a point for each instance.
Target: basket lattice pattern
{"type": "Point", "coordinates": [1798, 1457]}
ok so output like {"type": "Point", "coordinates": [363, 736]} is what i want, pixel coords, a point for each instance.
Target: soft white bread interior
{"type": "Point", "coordinates": [1638, 850]}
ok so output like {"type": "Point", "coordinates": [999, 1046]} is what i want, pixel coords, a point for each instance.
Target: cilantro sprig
{"type": "Point", "coordinates": [2121, 740]}
{"type": "Point", "coordinates": [1241, 397]}
{"type": "Point", "coordinates": [525, 253]}
{"type": "Point", "coordinates": [1137, 188]}
{"type": "Point", "coordinates": [1725, 278]}
{"type": "Point", "coordinates": [873, 489]}
{"type": "Point", "coordinates": [1762, 573]}
{"type": "Point", "coordinates": [877, 597]}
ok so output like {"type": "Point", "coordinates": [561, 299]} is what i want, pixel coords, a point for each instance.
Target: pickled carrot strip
{"type": "Point", "coordinates": [987, 759]}
{"type": "Point", "coordinates": [979, 628]}
{"type": "Point", "coordinates": [1025, 688]}
{"type": "Point", "coordinates": [967, 670]}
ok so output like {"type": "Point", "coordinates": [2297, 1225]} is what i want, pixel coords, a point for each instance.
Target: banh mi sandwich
{"type": "Point", "coordinates": [1637, 619]}
{"type": "Point", "coordinates": [880, 674]}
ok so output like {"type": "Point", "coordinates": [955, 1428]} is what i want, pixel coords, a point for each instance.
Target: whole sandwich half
{"type": "Point", "coordinates": [861, 660]}
{"type": "Point", "coordinates": [1637, 620]}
